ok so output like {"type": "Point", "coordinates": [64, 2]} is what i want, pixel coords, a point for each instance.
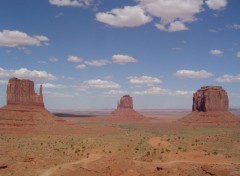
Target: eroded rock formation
{"type": "Point", "coordinates": [210, 98]}
{"type": "Point", "coordinates": [210, 107]}
{"type": "Point", "coordinates": [125, 102]}
{"type": "Point", "coordinates": [25, 108]}
{"type": "Point", "coordinates": [125, 109]}
{"type": "Point", "coordinates": [21, 92]}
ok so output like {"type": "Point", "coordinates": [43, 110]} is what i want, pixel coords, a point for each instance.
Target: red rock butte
{"type": "Point", "coordinates": [210, 98]}
{"type": "Point", "coordinates": [210, 106]}
{"type": "Point", "coordinates": [25, 108]}
{"type": "Point", "coordinates": [21, 92]}
{"type": "Point", "coordinates": [125, 109]}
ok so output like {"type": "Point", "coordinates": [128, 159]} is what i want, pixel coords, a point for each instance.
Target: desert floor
{"type": "Point", "coordinates": [101, 146]}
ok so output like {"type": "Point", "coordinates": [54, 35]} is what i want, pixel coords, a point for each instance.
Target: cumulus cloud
{"type": "Point", "coordinates": [173, 27]}
{"type": "Point", "coordinates": [123, 59]}
{"type": "Point", "coordinates": [81, 66]}
{"type": "Point", "coordinates": [17, 38]}
{"type": "Point", "coordinates": [161, 91]}
{"type": "Point", "coordinates": [153, 91]}
{"type": "Point", "coordinates": [216, 52]}
{"type": "Point", "coordinates": [52, 86]}
{"type": "Point", "coordinates": [74, 59]}
{"type": "Point", "coordinates": [126, 17]}
{"type": "Point", "coordinates": [173, 14]}
{"type": "Point", "coordinates": [229, 78]}
{"type": "Point", "coordinates": [193, 74]}
{"type": "Point", "coordinates": [116, 92]}
{"type": "Point", "coordinates": [28, 74]}
{"type": "Point", "coordinates": [98, 63]}
{"type": "Point", "coordinates": [101, 84]}
{"type": "Point", "coordinates": [216, 4]}
{"type": "Point", "coordinates": [148, 80]}
{"type": "Point", "coordinates": [72, 3]}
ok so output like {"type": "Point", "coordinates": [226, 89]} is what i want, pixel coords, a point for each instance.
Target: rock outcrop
{"type": "Point", "coordinates": [25, 108]}
{"type": "Point", "coordinates": [21, 92]}
{"type": "Point", "coordinates": [210, 107]}
{"type": "Point", "coordinates": [125, 102]}
{"type": "Point", "coordinates": [125, 109]}
{"type": "Point", "coordinates": [210, 98]}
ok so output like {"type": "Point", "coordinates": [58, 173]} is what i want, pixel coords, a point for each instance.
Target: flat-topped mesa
{"type": "Point", "coordinates": [210, 98]}
{"type": "Point", "coordinates": [21, 92]}
{"type": "Point", "coordinates": [125, 102]}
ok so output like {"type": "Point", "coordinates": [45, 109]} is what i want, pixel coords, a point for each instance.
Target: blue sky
{"type": "Point", "coordinates": [88, 53]}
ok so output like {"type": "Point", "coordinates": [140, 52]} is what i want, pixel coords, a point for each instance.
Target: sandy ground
{"type": "Point", "coordinates": [97, 146]}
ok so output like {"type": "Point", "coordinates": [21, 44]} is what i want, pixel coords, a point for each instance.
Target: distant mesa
{"type": "Point", "coordinates": [25, 108]}
{"type": "Point", "coordinates": [211, 106]}
{"type": "Point", "coordinates": [125, 109]}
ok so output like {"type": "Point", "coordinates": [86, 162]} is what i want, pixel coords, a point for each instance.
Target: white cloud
{"type": "Point", "coordinates": [173, 27]}
{"type": "Point", "coordinates": [126, 17]}
{"type": "Point", "coordinates": [100, 84]}
{"type": "Point", "coordinates": [216, 52]}
{"type": "Point", "coordinates": [161, 91]}
{"type": "Point", "coordinates": [73, 3]}
{"type": "Point", "coordinates": [193, 74]}
{"type": "Point", "coordinates": [53, 59]}
{"type": "Point", "coordinates": [27, 74]}
{"type": "Point", "coordinates": [238, 54]}
{"type": "Point", "coordinates": [16, 38]}
{"type": "Point", "coordinates": [173, 14]}
{"type": "Point", "coordinates": [116, 92]}
{"type": "Point", "coordinates": [153, 91]}
{"type": "Point", "coordinates": [123, 59]}
{"type": "Point", "coordinates": [148, 80]}
{"type": "Point", "coordinates": [180, 92]}
{"type": "Point", "coordinates": [229, 78]}
{"type": "Point", "coordinates": [234, 26]}
{"type": "Point", "coordinates": [81, 66]}
{"type": "Point", "coordinates": [97, 63]}
{"type": "Point", "coordinates": [216, 4]}
{"type": "Point", "coordinates": [74, 59]}
{"type": "Point", "coordinates": [52, 86]}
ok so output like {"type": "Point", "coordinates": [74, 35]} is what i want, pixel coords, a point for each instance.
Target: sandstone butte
{"type": "Point", "coordinates": [125, 109]}
{"type": "Point", "coordinates": [25, 108]}
{"type": "Point", "coordinates": [211, 107]}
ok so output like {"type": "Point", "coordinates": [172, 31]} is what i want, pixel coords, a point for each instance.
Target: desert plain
{"type": "Point", "coordinates": [99, 145]}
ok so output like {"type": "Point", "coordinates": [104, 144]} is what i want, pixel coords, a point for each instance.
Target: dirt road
{"type": "Point", "coordinates": [83, 162]}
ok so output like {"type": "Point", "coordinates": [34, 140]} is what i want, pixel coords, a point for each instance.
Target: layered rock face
{"type": "Point", "coordinates": [210, 107]}
{"type": "Point", "coordinates": [125, 109]}
{"type": "Point", "coordinates": [21, 92]}
{"type": "Point", "coordinates": [25, 108]}
{"type": "Point", "coordinates": [125, 102]}
{"type": "Point", "coordinates": [210, 98]}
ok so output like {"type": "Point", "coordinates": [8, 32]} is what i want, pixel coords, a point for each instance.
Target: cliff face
{"type": "Point", "coordinates": [210, 98]}
{"type": "Point", "coordinates": [21, 92]}
{"type": "Point", "coordinates": [126, 102]}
